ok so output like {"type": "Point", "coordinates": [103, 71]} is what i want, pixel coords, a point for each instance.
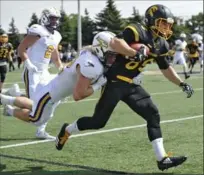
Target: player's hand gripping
{"type": "Point", "coordinates": [30, 66]}
{"type": "Point", "coordinates": [187, 89]}
{"type": "Point", "coordinates": [141, 54]}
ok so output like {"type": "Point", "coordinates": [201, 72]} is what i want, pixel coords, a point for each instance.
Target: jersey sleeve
{"type": "Point", "coordinates": [37, 30]}
{"type": "Point", "coordinates": [10, 47]}
{"type": "Point", "coordinates": [161, 60]}
{"type": "Point", "coordinates": [130, 35]}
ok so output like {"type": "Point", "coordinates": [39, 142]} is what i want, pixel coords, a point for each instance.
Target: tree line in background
{"type": "Point", "coordinates": [107, 19]}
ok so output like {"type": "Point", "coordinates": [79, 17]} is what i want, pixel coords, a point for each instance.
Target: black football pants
{"type": "Point", "coordinates": [134, 96]}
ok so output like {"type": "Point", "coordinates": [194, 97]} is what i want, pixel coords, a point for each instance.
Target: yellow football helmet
{"type": "Point", "coordinates": [4, 38]}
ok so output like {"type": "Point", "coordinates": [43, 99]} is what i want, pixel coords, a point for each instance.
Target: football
{"type": "Point", "coordinates": [137, 46]}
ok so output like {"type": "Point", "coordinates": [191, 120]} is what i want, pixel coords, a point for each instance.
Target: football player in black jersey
{"type": "Point", "coordinates": [124, 85]}
{"type": "Point", "coordinates": [5, 55]}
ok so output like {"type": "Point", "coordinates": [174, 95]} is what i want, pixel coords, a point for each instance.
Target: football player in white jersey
{"type": "Point", "coordinates": [36, 50]}
{"type": "Point", "coordinates": [201, 54]}
{"type": "Point", "coordinates": [199, 39]}
{"type": "Point", "coordinates": [179, 56]}
{"type": "Point", "coordinates": [81, 79]}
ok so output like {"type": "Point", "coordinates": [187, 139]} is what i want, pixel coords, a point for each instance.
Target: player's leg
{"type": "Point", "coordinates": [185, 68]}
{"type": "Point", "coordinates": [3, 72]}
{"type": "Point", "coordinates": [193, 64]}
{"type": "Point", "coordinates": [201, 63]}
{"type": "Point", "coordinates": [103, 110]}
{"type": "Point", "coordinates": [22, 114]}
{"type": "Point", "coordinates": [21, 102]}
{"type": "Point", "coordinates": [148, 110]}
{"type": "Point", "coordinates": [41, 132]}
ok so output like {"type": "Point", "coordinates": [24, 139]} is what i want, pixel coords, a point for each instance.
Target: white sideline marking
{"type": "Point", "coordinates": [100, 132]}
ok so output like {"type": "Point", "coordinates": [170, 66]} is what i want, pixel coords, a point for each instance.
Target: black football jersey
{"type": "Point", "coordinates": [5, 48]}
{"type": "Point", "coordinates": [193, 50]}
{"type": "Point", "coordinates": [137, 33]}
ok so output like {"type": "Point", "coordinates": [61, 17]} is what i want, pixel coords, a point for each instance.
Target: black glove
{"type": "Point", "coordinates": [140, 55]}
{"type": "Point", "coordinates": [187, 89]}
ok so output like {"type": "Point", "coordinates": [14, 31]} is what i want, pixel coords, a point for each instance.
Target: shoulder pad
{"type": "Point", "coordinates": [90, 66]}
{"type": "Point", "coordinates": [37, 29]}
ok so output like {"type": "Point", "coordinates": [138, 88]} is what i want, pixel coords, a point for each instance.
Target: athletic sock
{"type": "Point", "coordinates": [72, 128]}
{"type": "Point", "coordinates": [7, 100]}
{"type": "Point", "coordinates": [159, 148]}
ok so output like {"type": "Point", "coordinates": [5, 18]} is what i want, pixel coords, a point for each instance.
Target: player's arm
{"type": "Point", "coordinates": [27, 42]}
{"type": "Point", "coordinates": [121, 44]}
{"type": "Point", "coordinates": [10, 51]}
{"type": "Point", "coordinates": [121, 47]}
{"type": "Point", "coordinates": [56, 59]}
{"type": "Point", "coordinates": [83, 86]}
{"type": "Point", "coordinates": [165, 68]}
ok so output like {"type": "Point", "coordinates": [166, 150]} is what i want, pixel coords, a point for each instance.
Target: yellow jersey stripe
{"type": "Point", "coordinates": [41, 104]}
{"type": "Point", "coordinates": [123, 78]}
{"type": "Point", "coordinates": [26, 81]}
{"type": "Point", "coordinates": [134, 31]}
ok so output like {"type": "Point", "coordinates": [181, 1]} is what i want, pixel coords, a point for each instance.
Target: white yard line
{"type": "Point", "coordinates": [156, 93]}
{"type": "Point", "coordinates": [101, 132]}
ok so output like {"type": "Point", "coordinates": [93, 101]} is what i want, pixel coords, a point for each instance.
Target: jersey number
{"type": "Point", "coordinates": [133, 64]}
{"type": "Point", "coordinates": [48, 52]}
{"type": "Point", "coordinates": [3, 53]}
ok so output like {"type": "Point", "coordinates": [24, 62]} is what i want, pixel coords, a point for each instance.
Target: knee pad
{"type": "Point", "coordinates": [154, 117]}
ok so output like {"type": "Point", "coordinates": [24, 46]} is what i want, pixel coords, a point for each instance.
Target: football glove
{"type": "Point", "coordinates": [30, 66]}
{"type": "Point", "coordinates": [187, 89]}
{"type": "Point", "coordinates": [141, 54]}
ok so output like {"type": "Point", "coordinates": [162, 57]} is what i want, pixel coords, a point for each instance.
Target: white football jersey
{"type": "Point", "coordinates": [180, 45]}
{"type": "Point", "coordinates": [40, 52]}
{"type": "Point", "coordinates": [63, 84]}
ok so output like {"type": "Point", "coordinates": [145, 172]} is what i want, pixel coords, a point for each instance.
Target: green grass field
{"type": "Point", "coordinates": [124, 151]}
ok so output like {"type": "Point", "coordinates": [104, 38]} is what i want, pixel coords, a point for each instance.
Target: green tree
{"type": "Point", "coordinates": [13, 33]}
{"type": "Point", "coordinates": [65, 29]}
{"type": "Point", "coordinates": [88, 28]}
{"type": "Point", "coordinates": [33, 20]}
{"type": "Point", "coordinates": [1, 30]}
{"type": "Point", "coordinates": [195, 23]}
{"type": "Point", "coordinates": [109, 18]}
{"type": "Point", "coordinates": [135, 16]}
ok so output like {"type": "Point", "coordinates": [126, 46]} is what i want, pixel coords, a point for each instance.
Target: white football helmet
{"type": "Point", "coordinates": [102, 49]}
{"type": "Point", "coordinates": [182, 35]}
{"type": "Point", "coordinates": [50, 17]}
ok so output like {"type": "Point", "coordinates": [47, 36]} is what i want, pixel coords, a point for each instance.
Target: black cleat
{"type": "Point", "coordinates": [62, 137]}
{"type": "Point", "coordinates": [169, 162]}
{"type": "Point", "coordinates": [187, 76]}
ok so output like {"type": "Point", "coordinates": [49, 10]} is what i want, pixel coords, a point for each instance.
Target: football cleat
{"type": "Point", "coordinates": [62, 137]}
{"type": "Point", "coordinates": [5, 111]}
{"type": "Point", "coordinates": [13, 91]}
{"type": "Point", "coordinates": [44, 135]}
{"type": "Point", "coordinates": [169, 162]}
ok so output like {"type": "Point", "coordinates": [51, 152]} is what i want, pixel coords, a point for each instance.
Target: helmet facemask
{"type": "Point", "coordinates": [50, 19]}
{"type": "Point", "coordinates": [162, 27]}
{"type": "Point", "coordinates": [107, 58]}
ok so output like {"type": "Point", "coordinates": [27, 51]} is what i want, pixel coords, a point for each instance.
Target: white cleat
{"type": "Point", "coordinates": [44, 135]}
{"type": "Point", "coordinates": [5, 111]}
{"type": "Point", "coordinates": [13, 90]}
